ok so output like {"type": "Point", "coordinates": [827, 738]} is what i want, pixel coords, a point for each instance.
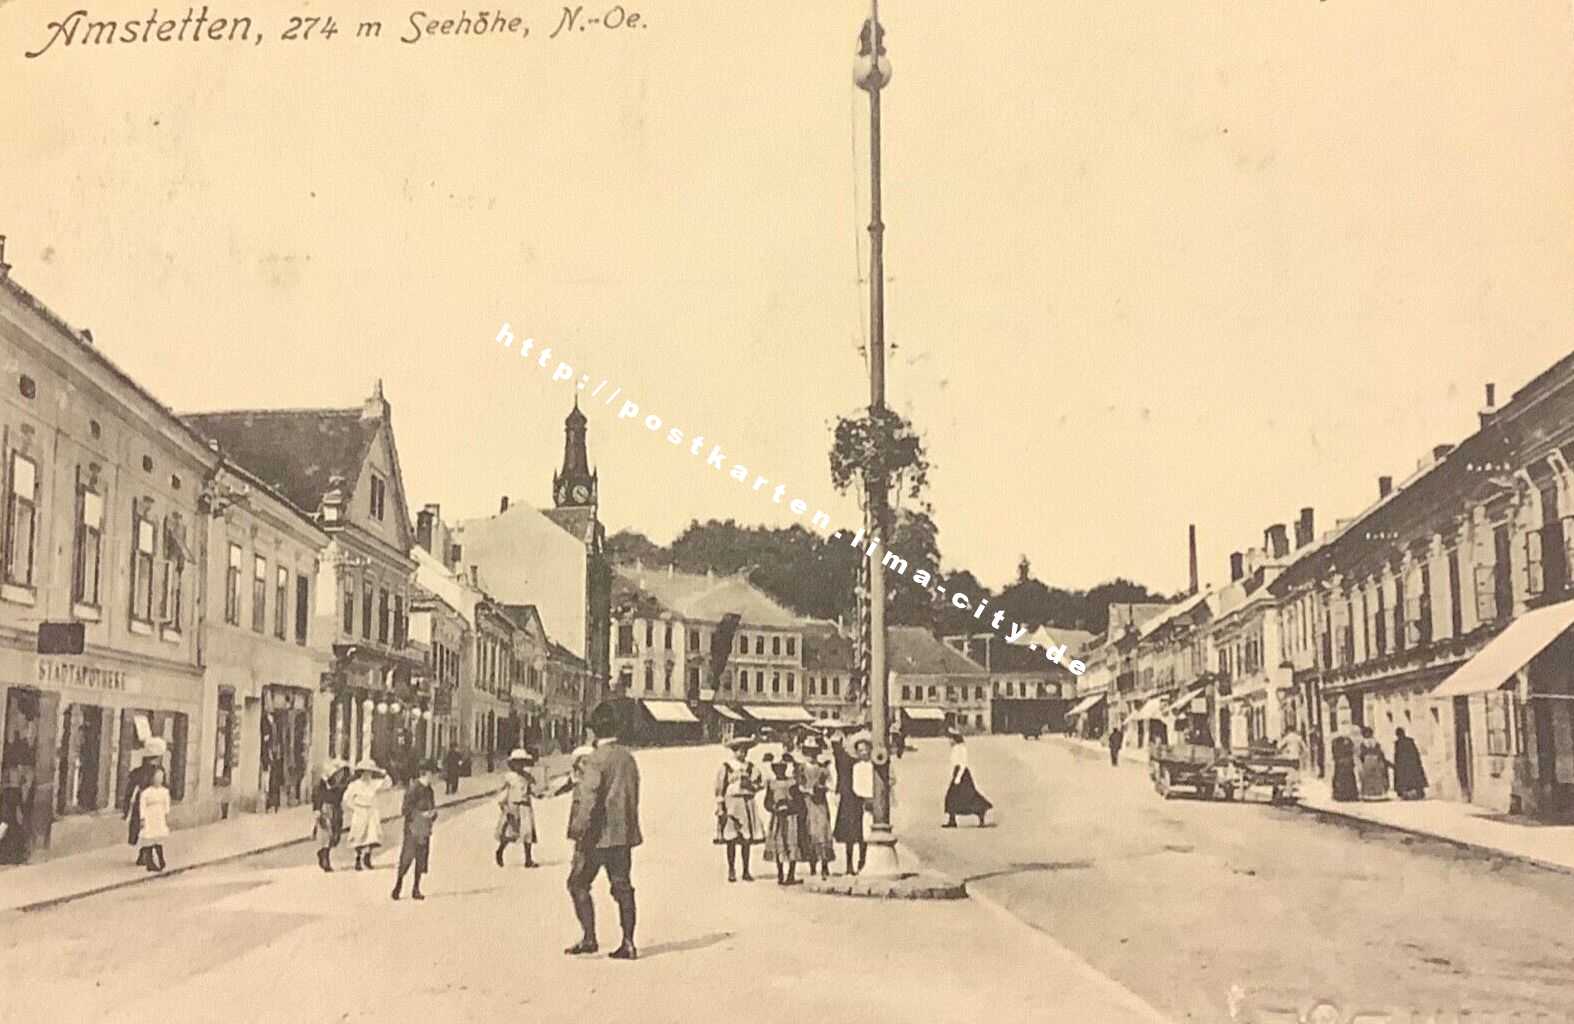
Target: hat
{"type": "Point", "coordinates": [812, 743]}
{"type": "Point", "coordinates": [768, 758]}
{"type": "Point", "coordinates": [953, 734]}
{"type": "Point", "coordinates": [521, 754]}
{"type": "Point", "coordinates": [580, 752]}
{"type": "Point", "coordinates": [739, 743]}
{"type": "Point", "coordinates": [368, 765]}
{"type": "Point", "coordinates": [862, 737]}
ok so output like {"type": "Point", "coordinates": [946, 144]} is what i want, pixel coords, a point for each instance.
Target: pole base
{"type": "Point", "coordinates": [884, 860]}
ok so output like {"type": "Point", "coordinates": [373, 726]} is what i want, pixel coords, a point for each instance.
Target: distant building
{"type": "Point", "coordinates": [829, 662]}
{"type": "Point", "coordinates": [932, 687]}
{"type": "Point", "coordinates": [1028, 691]}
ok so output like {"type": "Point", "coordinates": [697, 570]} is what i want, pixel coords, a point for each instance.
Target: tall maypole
{"type": "Point", "coordinates": [872, 72]}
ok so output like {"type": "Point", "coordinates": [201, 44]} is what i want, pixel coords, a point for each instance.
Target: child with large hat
{"type": "Point", "coordinates": [517, 817]}
{"type": "Point", "coordinates": [737, 815]}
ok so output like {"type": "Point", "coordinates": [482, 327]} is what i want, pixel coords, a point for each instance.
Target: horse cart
{"type": "Point", "coordinates": [1210, 772]}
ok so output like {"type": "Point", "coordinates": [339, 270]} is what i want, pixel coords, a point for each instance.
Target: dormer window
{"type": "Point", "coordinates": [379, 497]}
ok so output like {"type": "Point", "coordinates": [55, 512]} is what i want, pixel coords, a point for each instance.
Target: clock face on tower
{"type": "Point", "coordinates": [581, 493]}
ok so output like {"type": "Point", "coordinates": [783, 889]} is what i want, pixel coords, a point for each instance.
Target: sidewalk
{"type": "Point", "coordinates": [52, 882]}
{"type": "Point", "coordinates": [1550, 846]}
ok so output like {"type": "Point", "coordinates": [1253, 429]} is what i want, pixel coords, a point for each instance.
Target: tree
{"type": "Point", "coordinates": [916, 541]}
{"type": "Point", "coordinates": [627, 546]}
{"type": "Point", "coordinates": [951, 620]}
{"type": "Point", "coordinates": [1116, 591]}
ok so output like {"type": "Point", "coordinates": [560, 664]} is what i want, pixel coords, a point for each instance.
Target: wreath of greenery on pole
{"type": "Point", "coordinates": [879, 446]}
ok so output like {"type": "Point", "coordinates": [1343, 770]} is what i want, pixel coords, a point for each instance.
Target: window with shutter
{"type": "Point", "coordinates": [1486, 593]}
{"type": "Point", "coordinates": [1535, 577]}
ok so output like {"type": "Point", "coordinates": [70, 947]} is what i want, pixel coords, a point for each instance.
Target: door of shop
{"type": "Point", "coordinates": [27, 764]}
{"type": "Point", "coordinates": [1462, 754]}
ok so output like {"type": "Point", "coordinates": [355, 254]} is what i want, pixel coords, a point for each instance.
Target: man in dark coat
{"type": "Point", "coordinates": [420, 814]}
{"type": "Point", "coordinates": [1409, 774]}
{"type": "Point", "coordinates": [451, 770]}
{"type": "Point", "coordinates": [603, 824]}
{"type": "Point", "coordinates": [1117, 736]}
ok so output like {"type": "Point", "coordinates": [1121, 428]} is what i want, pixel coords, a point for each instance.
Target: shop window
{"type": "Point", "coordinates": [259, 593]}
{"type": "Point", "coordinates": [21, 520]}
{"type": "Point", "coordinates": [142, 567]}
{"type": "Point", "coordinates": [80, 782]}
{"type": "Point", "coordinates": [87, 548]}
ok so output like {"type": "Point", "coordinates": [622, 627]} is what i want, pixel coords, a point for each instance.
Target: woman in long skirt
{"type": "Point", "coordinates": [737, 815]}
{"type": "Point", "coordinates": [360, 801]}
{"type": "Point", "coordinates": [962, 796]}
{"type": "Point", "coordinates": [516, 820]}
{"type": "Point", "coordinates": [1409, 774]}
{"type": "Point", "coordinates": [327, 809]}
{"type": "Point", "coordinates": [815, 783]}
{"type": "Point", "coordinates": [154, 804]}
{"type": "Point", "coordinates": [784, 803]}
{"type": "Point", "coordinates": [1374, 766]}
{"type": "Point", "coordinates": [1344, 784]}
{"type": "Point", "coordinates": [850, 796]}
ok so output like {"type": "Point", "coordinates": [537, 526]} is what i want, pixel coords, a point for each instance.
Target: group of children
{"type": "Point", "coordinates": [347, 807]}
{"type": "Point", "coordinates": [796, 797]}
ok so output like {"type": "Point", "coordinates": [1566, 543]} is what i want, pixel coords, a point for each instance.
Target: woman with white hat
{"type": "Point", "coordinates": [737, 815]}
{"type": "Point", "coordinates": [327, 808]}
{"type": "Point", "coordinates": [962, 796]}
{"type": "Point", "coordinates": [360, 800]}
{"type": "Point", "coordinates": [517, 817]}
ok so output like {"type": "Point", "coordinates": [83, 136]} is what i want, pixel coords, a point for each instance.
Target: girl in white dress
{"type": "Point", "coordinates": [153, 804]}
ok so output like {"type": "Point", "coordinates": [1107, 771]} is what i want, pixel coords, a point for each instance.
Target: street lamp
{"type": "Point", "coordinates": [872, 72]}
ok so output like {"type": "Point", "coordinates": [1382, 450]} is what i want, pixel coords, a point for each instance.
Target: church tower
{"type": "Point", "coordinates": [574, 486]}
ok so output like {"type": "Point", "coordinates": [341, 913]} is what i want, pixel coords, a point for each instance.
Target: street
{"type": "Point", "coordinates": [1177, 901]}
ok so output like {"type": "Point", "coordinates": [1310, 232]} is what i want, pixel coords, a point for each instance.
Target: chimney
{"type": "Point", "coordinates": [1303, 529]}
{"type": "Point", "coordinates": [503, 505]}
{"type": "Point", "coordinates": [423, 528]}
{"type": "Point", "coordinates": [375, 407]}
{"type": "Point", "coordinates": [1441, 450]}
{"type": "Point", "coordinates": [1385, 486]}
{"type": "Point", "coordinates": [1191, 556]}
{"type": "Point", "coordinates": [455, 553]}
{"type": "Point", "coordinates": [87, 335]}
{"type": "Point", "coordinates": [1490, 408]}
{"type": "Point", "coordinates": [1237, 569]}
{"type": "Point", "coordinates": [1276, 541]}
{"type": "Point", "coordinates": [5, 268]}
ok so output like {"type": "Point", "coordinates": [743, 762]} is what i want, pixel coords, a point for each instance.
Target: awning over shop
{"type": "Point", "coordinates": [1508, 652]}
{"type": "Point", "coordinates": [1084, 705]}
{"type": "Point", "coordinates": [1182, 704]}
{"type": "Point", "coordinates": [1152, 708]}
{"type": "Point", "coordinates": [778, 713]}
{"type": "Point", "coordinates": [669, 711]}
{"type": "Point", "coordinates": [924, 714]}
{"type": "Point", "coordinates": [726, 712]}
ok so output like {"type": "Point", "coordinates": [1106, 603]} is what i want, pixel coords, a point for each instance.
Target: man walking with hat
{"type": "Point", "coordinates": [420, 814]}
{"type": "Point", "coordinates": [604, 827]}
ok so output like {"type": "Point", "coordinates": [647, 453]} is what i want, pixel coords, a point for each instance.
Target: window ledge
{"type": "Point", "coordinates": [169, 634]}
{"type": "Point", "coordinates": [86, 612]}
{"type": "Point", "coordinates": [18, 593]}
{"type": "Point", "coordinates": [140, 627]}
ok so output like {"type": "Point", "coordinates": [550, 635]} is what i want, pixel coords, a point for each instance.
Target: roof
{"type": "Point", "coordinates": [561, 653]}
{"type": "Point", "coordinates": [825, 649]}
{"type": "Point", "coordinates": [296, 451]}
{"type": "Point", "coordinates": [914, 651]}
{"type": "Point", "coordinates": [702, 598]}
{"type": "Point", "coordinates": [1126, 615]}
{"type": "Point", "coordinates": [1173, 612]}
{"type": "Point", "coordinates": [93, 352]}
{"type": "Point", "coordinates": [522, 614]}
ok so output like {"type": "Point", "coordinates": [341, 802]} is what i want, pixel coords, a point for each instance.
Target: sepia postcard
{"type": "Point", "coordinates": [712, 510]}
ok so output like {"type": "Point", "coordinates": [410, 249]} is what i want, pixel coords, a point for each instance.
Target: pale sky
{"type": "Point", "coordinates": [1149, 264]}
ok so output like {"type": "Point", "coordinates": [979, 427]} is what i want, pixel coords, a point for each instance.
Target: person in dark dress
{"type": "Point", "coordinates": [849, 827]}
{"type": "Point", "coordinates": [1344, 784]}
{"type": "Point", "coordinates": [420, 814]}
{"type": "Point", "coordinates": [961, 795]}
{"type": "Point", "coordinates": [1116, 737]}
{"type": "Point", "coordinates": [451, 771]}
{"type": "Point", "coordinates": [327, 809]}
{"type": "Point", "coordinates": [1409, 774]}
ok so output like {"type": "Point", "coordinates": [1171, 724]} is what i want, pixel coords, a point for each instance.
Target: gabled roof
{"type": "Point", "coordinates": [1174, 612]}
{"type": "Point", "coordinates": [563, 654]}
{"type": "Point", "coordinates": [522, 615]}
{"type": "Point", "coordinates": [702, 598]}
{"type": "Point", "coordinates": [296, 451]}
{"type": "Point", "coordinates": [914, 651]}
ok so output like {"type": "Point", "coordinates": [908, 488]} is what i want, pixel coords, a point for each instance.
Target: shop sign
{"type": "Point", "coordinates": [57, 672]}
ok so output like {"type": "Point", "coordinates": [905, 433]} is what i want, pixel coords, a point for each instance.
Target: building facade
{"type": "Point", "coordinates": [932, 687]}
{"type": "Point", "coordinates": [99, 616]}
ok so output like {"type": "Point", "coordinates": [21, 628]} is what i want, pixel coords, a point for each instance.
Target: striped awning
{"type": "Point", "coordinates": [726, 712]}
{"type": "Point", "coordinates": [1152, 708]}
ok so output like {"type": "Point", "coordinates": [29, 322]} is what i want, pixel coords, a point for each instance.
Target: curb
{"type": "Point", "coordinates": [918, 885]}
{"type": "Point", "coordinates": [55, 901]}
{"type": "Point", "coordinates": [1463, 844]}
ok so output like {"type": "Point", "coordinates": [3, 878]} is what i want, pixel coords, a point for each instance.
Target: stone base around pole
{"type": "Point", "coordinates": [890, 873]}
